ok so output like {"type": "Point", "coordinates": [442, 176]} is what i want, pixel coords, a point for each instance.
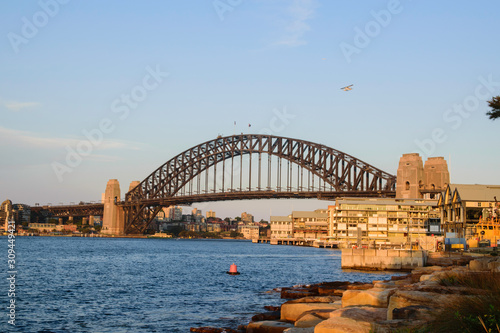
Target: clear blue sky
{"type": "Point", "coordinates": [419, 68]}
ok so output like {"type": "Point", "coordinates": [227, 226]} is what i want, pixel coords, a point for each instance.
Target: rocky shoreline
{"type": "Point", "coordinates": [401, 304]}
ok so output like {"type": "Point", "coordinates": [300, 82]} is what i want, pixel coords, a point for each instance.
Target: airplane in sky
{"type": "Point", "coordinates": [347, 88]}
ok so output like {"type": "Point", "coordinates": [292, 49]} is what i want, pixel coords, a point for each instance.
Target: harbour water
{"type": "Point", "coordinates": [155, 285]}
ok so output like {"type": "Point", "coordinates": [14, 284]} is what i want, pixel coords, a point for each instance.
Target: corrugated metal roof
{"type": "Point", "coordinates": [476, 192]}
{"type": "Point", "coordinates": [281, 218]}
{"type": "Point", "coordinates": [296, 214]}
{"type": "Point", "coordinates": [385, 201]}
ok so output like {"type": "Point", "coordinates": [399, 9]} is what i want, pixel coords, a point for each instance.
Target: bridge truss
{"type": "Point", "coordinates": [251, 166]}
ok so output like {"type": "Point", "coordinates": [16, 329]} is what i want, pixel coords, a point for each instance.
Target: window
{"type": "Point", "coordinates": [407, 186]}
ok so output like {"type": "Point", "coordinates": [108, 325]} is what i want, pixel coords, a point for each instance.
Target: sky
{"type": "Point", "coordinates": [93, 90]}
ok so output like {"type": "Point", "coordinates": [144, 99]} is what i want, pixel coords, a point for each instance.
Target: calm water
{"type": "Point", "coordinates": [154, 285]}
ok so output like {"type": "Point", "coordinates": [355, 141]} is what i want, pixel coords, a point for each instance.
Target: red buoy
{"type": "Point", "coordinates": [233, 270]}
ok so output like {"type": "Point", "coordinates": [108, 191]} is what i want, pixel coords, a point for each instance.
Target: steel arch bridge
{"type": "Point", "coordinates": [251, 166]}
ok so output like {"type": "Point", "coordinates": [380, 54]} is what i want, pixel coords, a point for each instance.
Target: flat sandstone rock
{"type": "Point", "coordinates": [268, 326]}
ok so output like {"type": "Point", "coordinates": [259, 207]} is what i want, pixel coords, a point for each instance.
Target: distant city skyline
{"type": "Point", "coordinates": [93, 91]}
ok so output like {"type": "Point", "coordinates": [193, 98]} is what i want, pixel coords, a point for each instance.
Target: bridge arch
{"type": "Point", "coordinates": [173, 182]}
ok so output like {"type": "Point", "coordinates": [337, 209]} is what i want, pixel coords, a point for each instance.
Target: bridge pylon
{"type": "Point", "coordinates": [113, 221]}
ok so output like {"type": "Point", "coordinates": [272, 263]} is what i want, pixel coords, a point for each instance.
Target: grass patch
{"type": "Point", "coordinates": [478, 311]}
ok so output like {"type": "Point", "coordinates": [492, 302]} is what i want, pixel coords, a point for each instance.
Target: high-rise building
{"type": "Point", "coordinates": [197, 215]}
{"type": "Point", "coordinates": [173, 213]}
{"type": "Point", "coordinates": [246, 217]}
{"type": "Point", "coordinates": [22, 213]}
{"type": "Point", "coordinates": [5, 213]}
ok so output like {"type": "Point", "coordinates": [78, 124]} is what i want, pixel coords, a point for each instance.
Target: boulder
{"type": "Point", "coordinates": [427, 269]}
{"type": "Point", "coordinates": [412, 312]}
{"type": "Point", "coordinates": [405, 298]}
{"type": "Point", "coordinates": [316, 299]}
{"type": "Point", "coordinates": [308, 320]}
{"type": "Point", "coordinates": [208, 329]}
{"type": "Point", "coordinates": [359, 286]}
{"type": "Point", "coordinates": [361, 313]}
{"type": "Point", "coordinates": [293, 311]}
{"type": "Point", "coordinates": [272, 308]}
{"type": "Point", "coordinates": [312, 318]}
{"type": "Point", "coordinates": [494, 266]}
{"type": "Point", "coordinates": [342, 325]}
{"type": "Point", "coordinates": [425, 277]}
{"type": "Point", "coordinates": [293, 293]}
{"type": "Point", "coordinates": [377, 297]}
{"type": "Point", "coordinates": [384, 284]}
{"type": "Point", "coordinates": [479, 264]}
{"type": "Point", "coordinates": [299, 330]}
{"type": "Point", "coordinates": [402, 282]}
{"type": "Point", "coordinates": [268, 326]}
{"type": "Point", "coordinates": [399, 277]}
{"type": "Point", "coordinates": [271, 315]}
{"type": "Point", "coordinates": [391, 326]}
{"type": "Point", "coordinates": [332, 288]}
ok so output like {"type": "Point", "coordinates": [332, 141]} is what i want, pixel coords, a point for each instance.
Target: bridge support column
{"type": "Point", "coordinates": [133, 184]}
{"type": "Point", "coordinates": [113, 221]}
{"type": "Point", "coordinates": [91, 220]}
{"type": "Point", "coordinates": [85, 220]}
{"type": "Point", "coordinates": [60, 220]}
{"type": "Point", "coordinates": [410, 177]}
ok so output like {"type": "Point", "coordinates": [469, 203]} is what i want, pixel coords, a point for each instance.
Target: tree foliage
{"type": "Point", "coordinates": [494, 104]}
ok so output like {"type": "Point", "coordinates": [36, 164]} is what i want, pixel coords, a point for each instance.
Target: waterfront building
{"type": "Point", "coordinates": [210, 214]}
{"type": "Point", "coordinates": [463, 205]}
{"type": "Point", "coordinates": [214, 227]}
{"type": "Point", "coordinates": [50, 227]}
{"type": "Point", "coordinates": [309, 225]}
{"type": "Point", "coordinates": [382, 221]}
{"type": "Point", "coordinates": [418, 181]}
{"type": "Point", "coordinates": [169, 226]}
{"type": "Point", "coordinates": [281, 227]}
{"type": "Point", "coordinates": [249, 231]}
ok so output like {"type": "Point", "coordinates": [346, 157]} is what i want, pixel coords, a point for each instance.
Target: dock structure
{"type": "Point", "coordinates": [297, 242]}
{"type": "Point", "coordinates": [373, 259]}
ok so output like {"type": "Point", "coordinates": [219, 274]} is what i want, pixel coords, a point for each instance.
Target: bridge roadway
{"type": "Point", "coordinates": [88, 209]}
{"type": "Point", "coordinates": [253, 195]}
{"type": "Point", "coordinates": [97, 209]}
